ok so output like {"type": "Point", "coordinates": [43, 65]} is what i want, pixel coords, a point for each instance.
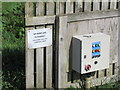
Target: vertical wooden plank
{"type": "Point", "coordinates": [96, 5]}
{"type": "Point", "coordinates": [29, 9]}
{"type": "Point", "coordinates": [62, 8]}
{"type": "Point", "coordinates": [69, 6]}
{"type": "Point", "coordinates": [69, 9]}
{"type": "Point", "coordinates": [40, 52]}
{"type": "Point", "coordinates": [116, 68]}
{"type": "Point", "coordinates": [115, 34]}
{"type": "Point", "coordinates": [87, 5]}
{"type": "Point", "coordinates": [29, 52]}
{"type": "Point", "coordinates": [39, 68]}
{"type": "Point", "coordinates": [105, 4]}
{"type": "Point", "coordinates": [78, 6]}
{"type": "Point", "coordinates": [40, 8]}
{"type": "Point", "coordinates": [62, 58]}
{"type": "Point", "coordinates": [101, 73]}
{"type": "Point", "coordinates": [57, 8]}
{"type": "Point", "coordinates": [106, 30]}
{"type": "Point", "coordinates": [119, 42]}
{"type": "Point", "coordinates": [114, 39]}
{"type": "Point", "coordinates": [111, 28]}
{"type": "Point", "coordinates": [49, 66]}
{"type": "Point", "coordinates": [113, 4]}
{"type": "Point", "coordinates": [50, 11]}
{"type": "Point", "coordinates": [50, 8]}
{"type": "Point", "coordinates": [110, 70]}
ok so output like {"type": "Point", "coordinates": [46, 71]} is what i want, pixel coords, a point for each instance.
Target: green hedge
{"type": "Point", "coordinates": [13, 46]}
{"type": "Point", "coordinates": [13, 61]}
{"type": "Point", "coordinates": [13, 18]}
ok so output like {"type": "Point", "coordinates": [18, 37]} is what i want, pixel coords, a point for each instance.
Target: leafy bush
{"type": "Point", "coordinates": [13, 61]}
{"type": "Point", "coordinates": [13, 18]}
{"type": "Point", "coordinates": [7, 85]}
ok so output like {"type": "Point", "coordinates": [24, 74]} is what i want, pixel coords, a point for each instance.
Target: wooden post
{"type": "Point", "coordinates": [119, 43]}
{"type": "Point", "coordinates": [29, 59]}
{"type": "Point", "coordinates": [62, 79]}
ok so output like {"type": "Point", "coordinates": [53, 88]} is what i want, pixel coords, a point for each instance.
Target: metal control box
{"type": "Point", "coordinates": [90, 52]}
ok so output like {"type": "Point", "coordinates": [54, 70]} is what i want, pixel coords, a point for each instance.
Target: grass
{"type": "Point", "coordinates": [111, 85]}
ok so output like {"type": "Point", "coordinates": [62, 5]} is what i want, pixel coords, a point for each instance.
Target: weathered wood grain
{"type": "Point", "coordinates": [69, 6]}
{"type": "Point", "coordinates": [39, 20]}
{"type": "Point", "coordinates": [119, 45]}
{"type": "Point", "coordinates": [96, 5]}
{"type": "Point", "coordinates": [57, 8]}
{"type": "Point", "coordinates": [50, 8]}
{"type": "Point", "coordinates": [40, 51]}
{"type": "Point", "coordinates": [113, 4]}
{"type": "Point", "coordinates": [50, 11]}
{"type": "Point", "coordinates": [39, 68]}
{"type": "Point", "coordinates": [116, 68]}
{"type": "Point", "coordinates": [87, 6]}
{"type": "Point", "coordinates": [29, 55]}
{"type": "Point", "coordinates": [105, 4]}
{"type": "Point", "coordinates": [61, 8]}
{"type": "Point", "coordinates": [78, 6]}
{"type": "Point", "coordinates": [103, 80]}
{"type": "Point", "coordinates": [29, 65]}
{"type": "Point", "coordinates": [40, 8]}
{"type": "Point", "coordinates": [29, 11]}
{"type": "Point", "coordinates": [92, 15]}
{"type": "Point", "coordinates": [62, 79]}
{"type": "Point", "coordinates": [49, 63]}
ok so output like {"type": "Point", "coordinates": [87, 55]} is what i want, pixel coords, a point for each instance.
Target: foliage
{"type": "Point", "coordinates": [13, 18]}
{"type": "Point", "coordinates": [7, 85]}
{"type": "Point", "coordinates": [111, 85]}
{"type": "Point", "coordinates": [13, 61]}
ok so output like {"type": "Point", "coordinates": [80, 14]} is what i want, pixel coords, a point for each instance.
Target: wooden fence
{"type": "Point", "coordinates": [50, 67]}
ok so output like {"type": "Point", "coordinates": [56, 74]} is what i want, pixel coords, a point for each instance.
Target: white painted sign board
{"type": "Point", "coordinates": [39, 38]}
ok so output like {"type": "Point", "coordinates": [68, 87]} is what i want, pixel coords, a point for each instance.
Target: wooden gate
{"type": "Point", "coordinates": [39, 62]}
{"type": "Point", "coordinates": [84, 23]}
{"type": "Point", "coordinates": [50, 67]}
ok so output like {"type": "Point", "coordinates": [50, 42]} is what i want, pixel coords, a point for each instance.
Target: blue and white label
{"type": "Point", "coordinates": [96, 49]}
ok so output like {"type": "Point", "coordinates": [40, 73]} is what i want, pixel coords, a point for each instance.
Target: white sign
{"type": "Point", "coordinates": [39, 37]}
